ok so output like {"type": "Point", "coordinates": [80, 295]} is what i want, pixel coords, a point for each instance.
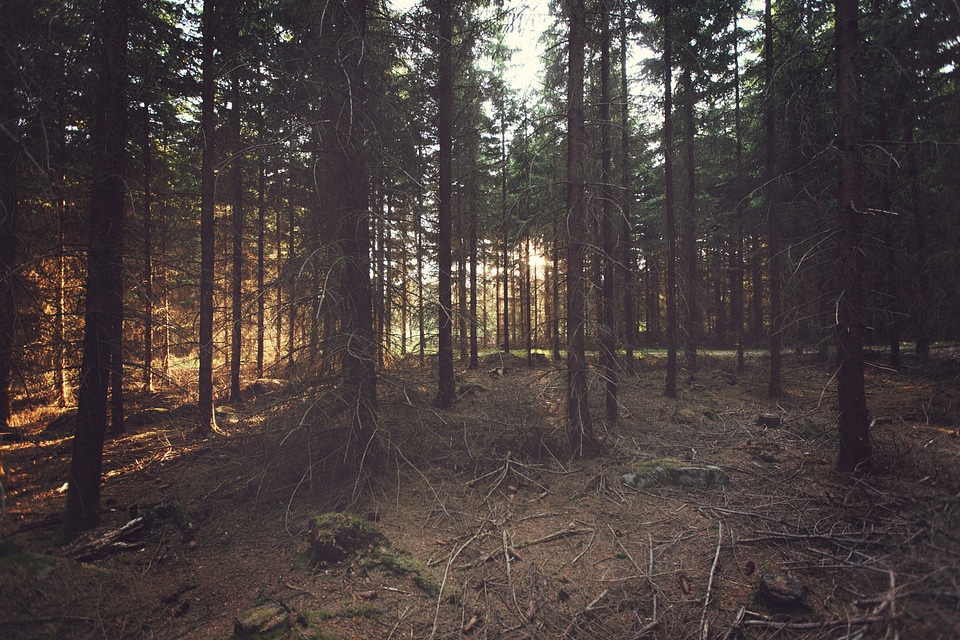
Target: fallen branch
{"type": "Point", "coordinates": [704, 626]}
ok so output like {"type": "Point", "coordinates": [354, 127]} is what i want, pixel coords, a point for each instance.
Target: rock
{"type": "Point", "coordinates": [262, 620]}
{"type": "Point", "coordinates": [781, 590]}
{"type": "Point", "coordinates": [673, 472]}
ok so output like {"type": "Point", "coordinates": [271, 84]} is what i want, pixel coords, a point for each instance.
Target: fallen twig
{"type": "Point", "coordinates": [704, 626]}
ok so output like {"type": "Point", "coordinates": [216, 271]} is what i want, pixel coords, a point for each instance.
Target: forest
{"type": "Point", "coordinates": [334, 320]}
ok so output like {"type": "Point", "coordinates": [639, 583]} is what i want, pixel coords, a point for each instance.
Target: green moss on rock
{"type": "Point", "coordinates": [674, 472]}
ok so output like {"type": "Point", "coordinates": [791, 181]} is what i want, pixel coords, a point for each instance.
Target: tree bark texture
{"type": "Point", "coordinates": [579, 425]}
{"type": "Point", "coordinates": [104, 271]}
{"type": "Point", "coordinates": [208, 126]}
{"type": "Point", "coordinates": [670, 387]}
{"type": "Point", "coordinates": [853, 421]}
{"type": "Point", "coordinates": [447, 390]}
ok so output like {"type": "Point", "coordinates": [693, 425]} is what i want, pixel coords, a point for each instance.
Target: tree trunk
{"type": "Point", "coordinates": [104, 273]}
{"type": "Point", "coordinates": [261, 249]}
{"type": "Point", "coordinates": [691, 281]}
{"type": "Point", "coordinates": [236, 228]}
{"type": "Point", "coordinates": [853, 423]}
{"type": "Point", "coordinates": [773, 227]}
{"type": "Point", "coordinates": [579, 425]}
{"type": "Point", "coordinates": [359, 373]}
{"type": "Point", "coordinates": [447, 390]}
{"type": "Point", "coordinates": [147, 150]}
{"type": "Point", "coordinates": [208, 126]}
{"type": "Point", "coordinates": [670, 388]}
{"type": "Point", "coordinates": [474, 321]}
{"type": "Point", "coordinates": [737, 271]}
{"type": "Point", "coordinates": [626, 231]}
{"type": "Point", "coordinates": [9, 214]}
{"type": "Point", "coordinates": [607, 329]}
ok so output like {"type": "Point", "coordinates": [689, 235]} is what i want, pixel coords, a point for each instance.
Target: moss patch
{"type": "Point", "coordinates": [336, 536]}
{"type": "Point", "coordinates": [674, 472]}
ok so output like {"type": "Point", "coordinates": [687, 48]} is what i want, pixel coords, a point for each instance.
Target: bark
{"type": "Point", "coordinates": [670, 387]}
{"type": "Point", "coordinates": [626, 231]}
{"type": "Point", "coordinates": [737, 271]}
{"type": "Point", "coordinates": [207, 422]}
{"type": "Point", "coordinates": [104, 272]}
{"type": "Point", "coordinates": [773, 226]}
{"type": "Point", "coordinates": [607, 328]}
{"type": "Point", "coordinates": [691, 283]}
{"type": "Point", "coordinates": [147, 150]}
{"type": "Point", "coordinates": [236, 228]}
{"type": "Point", "coordinates": [261, 249]}
{"type": "Point", "coordinates": [579, 425]}
{"type": "Point", "coordinates": [853, 421]}
{"type": "Point", "coordinates": [9, 212]}
{"type": "Point", "coordinates": [447, 391]}
{"type": "Point", "coordinates": [359, 373]}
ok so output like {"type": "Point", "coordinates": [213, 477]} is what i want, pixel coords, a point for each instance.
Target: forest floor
{"type": "Point", "coordinates": [491, 532]}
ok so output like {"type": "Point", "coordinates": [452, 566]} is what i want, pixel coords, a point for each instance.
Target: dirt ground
{"type": "Point", "coordinates": [508, 537]}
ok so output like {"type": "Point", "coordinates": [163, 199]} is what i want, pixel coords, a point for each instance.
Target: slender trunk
{"type": "Point", "coordinates": [626, 231]}
{"type": "Point", "coordinates": [670, 388]}
{"type": "Point", "coordinates": [556, 290]}
{"type": "Point", "coordinates": [579, 425]}
{"type": "Point", "coordinates": [607, 329]}
{"type": "Point", "coordinates": [691, 283]}
{"type": "Point", "coordinates": [774, 388]}
{"type": "Point", "coordinates": [737, 271]}
{"type": "Point", "coordinates": [237, 228]}
{"type": "Point", "coordinates": [208, 178]}
{"type": "Point", "coordinates": [474, 348]}
{"type": "Point", "coordinates": [261, 249]}
{"type": "Point", "coordinates": [9, 214]}
{"type": "Point", "coordinates": [528, 302]}
{"type": "Point", "coordinates": [146, 148]}
{"type": "Point", "coordinates": [104, 273]}
{"type": "Point", "coordinates": [447, 390]}
{"type": "Point", "coordinates": [292, 288]}
{"type": "Point", "coordinates": [421, 317]}
{"type": "Point", "coordinates": [506, 230]}
{"type": "Point", "coordinates": [853, 423]}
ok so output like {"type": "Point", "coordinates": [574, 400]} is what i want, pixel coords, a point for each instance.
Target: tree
{"type": "Point", "coordinates": [9, 199]}
{"type": "Point", "coordinates": [608, 233]}
{"type": "Point", "coordinates": [208, 183]}
{"type": "Point", "coordinates": [352, 210]}
{"type": "Point", "coordinates": [579, 425]}
{"type": "Point", "coordinates": [773, 225]}
{"type": "Point", "coordinates": [104, 271]}
{"type": "Point", "coordinates": [853, 421]}
{"type": "Point", "coordinates": [670, 388]}
{"type": "Point", "coordinates": [447, 388]}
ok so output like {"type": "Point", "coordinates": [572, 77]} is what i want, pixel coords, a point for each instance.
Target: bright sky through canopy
{"type": "Point", "coordinates": [530, 18]}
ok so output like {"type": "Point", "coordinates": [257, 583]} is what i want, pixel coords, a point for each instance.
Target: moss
{"type": "Point", "coordinates": [335, 536]}
{"type": "Point", "coordinates": [402, 564]}
{"type": "Point", "coordinates": [673, 472]}
{"type": "Point", "coordinates": [36, 565]}
{"type": "Point", "coordinates": [368, 611]}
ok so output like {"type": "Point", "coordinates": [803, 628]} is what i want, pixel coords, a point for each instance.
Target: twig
{"type": "Point", "coordinates": [589, 544]}
{"type": "Point", "coordinates": [809, 626]}
{"type": "Point", "coordinates": [704, 626]}
{"type": "Point", "coordinates": [647, 628]}
{"type": "Point", "coordinates": [446, 572]}
{"type": "Point", "coordinates": [615, 537]}
{"type": "Point", "coordinates": [563, 533]}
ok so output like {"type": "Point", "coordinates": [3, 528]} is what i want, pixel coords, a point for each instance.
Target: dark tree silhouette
{"type": "Point", "coordinates": [853, 423]}
{"type": "Point", "coordinates": [579, 424]}
{"type": "Point", "coordinates": [447, 391]}
{"type": "Point", "coordinates": [104, 271]}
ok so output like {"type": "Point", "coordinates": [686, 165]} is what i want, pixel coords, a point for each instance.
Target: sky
{"type": "Point", "coordinates": [533, 17]}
